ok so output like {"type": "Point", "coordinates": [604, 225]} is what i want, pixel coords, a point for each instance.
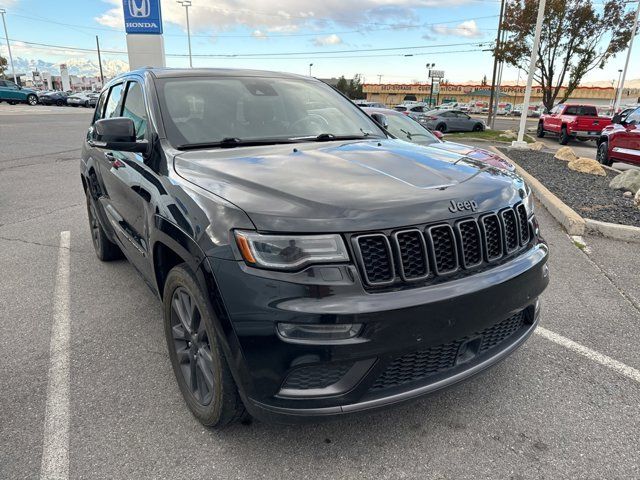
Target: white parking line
{"type": "Point", "coordinates": [608, 362]}
{"type": "Point", "coordinates": [55, 450]}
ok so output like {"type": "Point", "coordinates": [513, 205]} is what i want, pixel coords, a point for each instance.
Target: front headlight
{"type": "Point", "coordinates": [290, 252]}
{"type": "Point", "coordinates": [528, 200]}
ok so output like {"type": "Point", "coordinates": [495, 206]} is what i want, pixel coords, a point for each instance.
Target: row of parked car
{"type": "Point", "coordinates": [13, 93]}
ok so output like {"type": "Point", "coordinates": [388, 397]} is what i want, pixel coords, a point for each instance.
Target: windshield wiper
{"type": "Point", "coordinates": [329, 137]}
{"type": "Point", "coordinates": [233, 142]}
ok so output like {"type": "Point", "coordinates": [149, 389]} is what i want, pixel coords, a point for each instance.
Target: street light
{"type": "Point", "coordinates": [186, 4]}
{"type": "Point", "coordinates": [617, 88]}
{"type": "Point", "coordinates": [6, 36]}
{"type": "Point", "coordinates": [429, 67]}
{"type": "Point", "coordinates": [616, 105]}
{"type": "Point", "coordinates": [310, 65]}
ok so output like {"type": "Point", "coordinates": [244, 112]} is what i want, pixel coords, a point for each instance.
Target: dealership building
{"type": "Point", "coordinates": [394, 94]}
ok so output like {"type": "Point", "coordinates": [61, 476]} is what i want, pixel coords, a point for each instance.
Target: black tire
{"type": "Point", "coordinates": [564, 136]}
{"type": "Point", "coordinates": [11, 102]}
{"type": "Point", "coordinates": [540, 130]}
{"type": "Point", "coordinates": [32, 99]}
{"type": "Point", "coordinates": [60, 103]}
{"type": "Point", "coordinates": [86, 104]}
{"type": "Point", "coordinates": [195, 353]}
{"type": "Point", "coordinates": [603, 154]}
{"type": "Point", "coordinates": [478, 127]}
{"type": "Point", "coordinates": [105, 249]}
{"type": "Point", "coordinates": [441, 127]}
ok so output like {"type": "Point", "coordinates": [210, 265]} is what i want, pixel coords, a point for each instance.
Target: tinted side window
{"type": "Point", "coordinates": [114, 103]}
{"type": "Point", "coordinates": [135, 110]}
{"type": "Point", "coordinates": [634, 117]}
{"type": "Point", "coordinates": [3, 83]}
{"type": "Point", "coordinates": [100, 106]}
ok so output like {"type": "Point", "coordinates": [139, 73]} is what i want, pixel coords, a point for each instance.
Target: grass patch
{"type": "Point", "coordinates": [493, 135]}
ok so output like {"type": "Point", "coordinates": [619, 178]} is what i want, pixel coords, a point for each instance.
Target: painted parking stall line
{"type": "Point", "coordinates": [55, 450]}
{"type": "Point", "coordinates": [604, 360]}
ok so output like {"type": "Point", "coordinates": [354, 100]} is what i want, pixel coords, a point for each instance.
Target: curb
{"type": "Point", "coordinates": [573, 223]}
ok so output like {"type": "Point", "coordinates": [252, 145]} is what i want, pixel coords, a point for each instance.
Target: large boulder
{"type": "Point", "coordinates": [509, 135]}
{"type": "Point", "coordinates": [629, 181]}
{"type": "Point", "coordinates": [586, 165]}
{"type": "Point", "coordinates": [566, 153]}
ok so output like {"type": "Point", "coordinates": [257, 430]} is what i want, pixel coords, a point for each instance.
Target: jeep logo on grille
{"type": "Point", "coordinates": [462, 206]}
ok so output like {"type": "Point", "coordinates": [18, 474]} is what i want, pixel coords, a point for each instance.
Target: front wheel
{"type": "Point", "coordinates": [60, 103]}
{"type": "Point", "coordinates": [201, 370]}
{"type": "Point", "coordinates": [442, 128]}
{"type": "Point", "coordinates": [540, 130]}
{"type": "Point", "coordinates": [564, 136]}
{"type": "Point", "coordinates": [32, 99]}
{"type": "Point", "coordinates": [478, 127]}
{"type": "Point", "coordinates": [11, 102]}
{"type": "Point", "coordinates": [603, 154]}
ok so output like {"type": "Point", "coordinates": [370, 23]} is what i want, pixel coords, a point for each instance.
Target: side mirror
{"type": "Point", "coordinates": [117, 134]}
{"type": "Point", "coordinates": [380, 119]}
{"type": "Point", "coordinates": [438, 134]}
{"type": "Point", "coordinates": [617, 118]}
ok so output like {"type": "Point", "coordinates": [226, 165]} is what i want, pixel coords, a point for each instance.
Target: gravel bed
{"type": "Point", "coordinates": [589, 195]}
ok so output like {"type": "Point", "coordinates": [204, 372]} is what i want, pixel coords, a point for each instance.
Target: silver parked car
{"type": "Point", "coordinates": [452, 121]}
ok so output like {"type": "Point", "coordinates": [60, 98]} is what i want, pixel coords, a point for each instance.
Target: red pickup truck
{"type": "Point", "coordinates": [572, 121]}
{"type": "Point", "coordinates": [620, 142]}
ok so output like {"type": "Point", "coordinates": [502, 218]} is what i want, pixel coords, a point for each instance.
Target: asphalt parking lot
{"type": "Point", "coordinates": [565, 405]}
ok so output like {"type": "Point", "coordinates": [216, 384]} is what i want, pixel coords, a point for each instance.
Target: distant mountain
{"type": "Point", "coordinates": [81, 67]}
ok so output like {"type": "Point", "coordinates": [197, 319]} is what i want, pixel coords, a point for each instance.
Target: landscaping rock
{"type": "Point", "coordinates": [586, 165]}
{"type": "Point", "coordinates": [627, 194]}
{"type": "Point", "coordinates": [509, 134]}
{"type": "Point", "coordinates": [565, 153]}
{"type": "Point", "coordinates": [629, 181]}
{"type": "Point", "coordinates": [537, 146]}
{"type": "Point", "coordinates": [636, 199]}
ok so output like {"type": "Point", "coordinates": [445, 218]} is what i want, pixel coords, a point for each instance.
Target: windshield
{"type": "Point", "coordinates": [409, 130]}
{"type": "Point", "coordinates": [244, 109]}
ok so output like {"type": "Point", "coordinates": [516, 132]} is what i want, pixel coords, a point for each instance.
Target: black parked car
{"type": "Point", "coordinates": [309, 264]}
{"type": "Point", "coordinates": [54, 98]}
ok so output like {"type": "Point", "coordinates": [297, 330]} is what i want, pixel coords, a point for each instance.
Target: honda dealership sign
{"type": "Point", "coordinates": [142, 17]}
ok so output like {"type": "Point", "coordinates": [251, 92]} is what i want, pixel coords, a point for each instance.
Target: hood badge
{"type": "Point", "coordinates": [463, 206]}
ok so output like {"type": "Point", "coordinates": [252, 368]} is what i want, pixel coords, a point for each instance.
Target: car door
{"type": "Point", "coordinates": [463, 121]}
{"type": "Point", "coordinates": [10, 91]}
{"type": "Point", "coordinates": [128, 180]}
{"type": "Point", "coordinates": [626, 145]}
{"type": "Point", "coordinates": [3, 90]}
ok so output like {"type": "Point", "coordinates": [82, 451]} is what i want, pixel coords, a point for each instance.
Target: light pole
{"type": "Point", "coordinates": [617, 88]}
{"type": "Point", "coordinates": [186, 4]}
{"type": "Point", "coordinates": [616, 105]}
{"type": "Point", "coordinates": [310, 65]}
{"type": "Point", "coordinates": [520, 143]}
{"type": "Point", "coordinates": [6, 36]}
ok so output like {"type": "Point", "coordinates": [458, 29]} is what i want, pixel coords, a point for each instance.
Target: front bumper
{"type": "Point", "coordinates": [404, 324]}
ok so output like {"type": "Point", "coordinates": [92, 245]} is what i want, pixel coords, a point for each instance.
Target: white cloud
{"type": "Point", "coordinates": [280, 15]}
{"type": "Point", "coordinates": [332, 39]}
{"type": "Point", "coordinates": [259, 34]}
{"type": "Point", "coordinates": [468, 29]}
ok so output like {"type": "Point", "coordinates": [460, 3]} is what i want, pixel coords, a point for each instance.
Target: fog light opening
{"type": "Point", "coordinates": [297, 331]}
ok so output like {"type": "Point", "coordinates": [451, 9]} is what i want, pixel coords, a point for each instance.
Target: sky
{"type": "Point", "coordinates": [452, 34]}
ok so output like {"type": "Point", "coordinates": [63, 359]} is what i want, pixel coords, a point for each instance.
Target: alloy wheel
{"type": "Point", "coordinates": [192, 346]}
{"type": "Point", "coordinates": [94, 225]}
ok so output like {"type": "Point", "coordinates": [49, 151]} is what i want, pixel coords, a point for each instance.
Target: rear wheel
{"type": "Point", "coordinates": [105, 249]}
{"type": "Point", "coordinates": [60, 103]}
{"type": "Point", "coordinates": [540, 130]}
{"type": "Point", "coordinates": [603, 154]}
{"type": "Point", "coordinates": [202, 373]}
{"type": "Point", "coordinates": [442, 127]}
{"type": "Point", "coordinates": [32, 99]}
{"type": "Point", "coordinates": [11, 102]}
{"type": "Point", "coordinates": [564, 136]}
{"type": "Point", "coordinates": [86, 104]}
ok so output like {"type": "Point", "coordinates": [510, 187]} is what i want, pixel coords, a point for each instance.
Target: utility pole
{"type": "Point", "coordinates": [379, 78]}
{"type": "Point", "coordinates": [429, 67]}
{"type": "Point", "coordinates": [6, 36]}
{"type": "Point", "coordinates": [520, 143]}
{"type": "Point", "coordinates": [186, 4]}
{"type": "Point", "coordinates": [310, 65]}
{"type": "Point", "coordinates": [616, 106]}
{"type": "Point", "coordinates": [495, 60]}
{"type": "Point", "coordinates": [100, 62]}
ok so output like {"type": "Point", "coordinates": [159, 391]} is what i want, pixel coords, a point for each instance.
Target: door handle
{"type": "Point", "coordinates": [115, 163]}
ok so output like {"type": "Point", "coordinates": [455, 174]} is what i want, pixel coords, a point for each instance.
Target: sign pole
{"type": "Point", "coordinates": [616, 106]}
{"type": "Point", "coordinates": [6, 36]}
{"type": "Point", "coordinates": [520, 143]}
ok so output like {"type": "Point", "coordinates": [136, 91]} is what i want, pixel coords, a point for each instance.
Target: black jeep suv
{"type": "Point", "coordinates": [309, 264]}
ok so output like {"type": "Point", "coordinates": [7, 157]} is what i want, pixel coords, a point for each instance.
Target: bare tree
{"type": "Point", "coordinates": [575, 39]}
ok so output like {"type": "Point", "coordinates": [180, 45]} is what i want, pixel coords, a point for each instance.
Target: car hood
{"type": "Point", "coordinates": [347, 186]}
{"type": "Point", "coordinates": [475, 153]}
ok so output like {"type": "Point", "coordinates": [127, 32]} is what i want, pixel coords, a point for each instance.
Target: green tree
{"type": "Point", "coordinates": [3, 65]}
{"type": "Point", "coordinates": [343, 85]}
{"type": "Point", "coordinates": [355, 88]}
{"type": "Point", "coordinates": [575, 39]}
{"type": "Point", "coordinates": [484, 81]}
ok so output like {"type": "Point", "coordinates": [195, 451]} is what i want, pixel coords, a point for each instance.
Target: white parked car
{"type": "Point", "coordinates": [84, 99]}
